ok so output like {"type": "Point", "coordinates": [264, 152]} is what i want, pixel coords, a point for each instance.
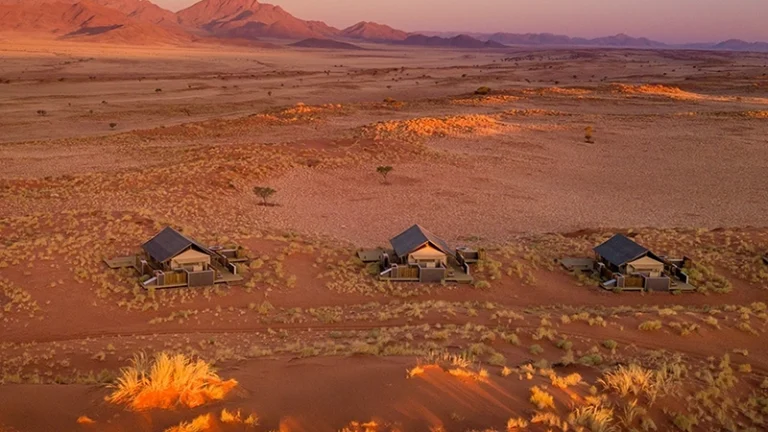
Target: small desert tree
{"type": "Point", "coordinates": [264, 192]}
{"type": "Point", "coordinates": [384, 171]}
{"type": "Point", "coordinates": [588, 134]}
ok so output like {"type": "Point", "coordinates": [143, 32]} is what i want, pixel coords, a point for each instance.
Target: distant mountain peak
{"type": "Point", "coordinates": [373, 31]}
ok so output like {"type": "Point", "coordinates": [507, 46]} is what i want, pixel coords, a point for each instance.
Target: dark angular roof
{"type": "Point", "coordinates": [415, 236]}
{"type": "Point", "coordinates": [619, 250]}
{"type": "Point", "coordinates": [168, 243]}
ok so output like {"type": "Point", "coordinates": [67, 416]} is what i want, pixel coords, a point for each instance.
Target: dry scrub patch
{"type": "Point", "coordinates": [451, 126]}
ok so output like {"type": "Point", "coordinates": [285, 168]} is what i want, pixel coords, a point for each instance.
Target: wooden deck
{"type": "Point", "coordinates": [225, 276]}
{"type": "Point", "coordinates": [120, 262]}
{"type": "Point", "coordinates": [369, 255]}
{"type": "Point", "coordinates": [581, 264]}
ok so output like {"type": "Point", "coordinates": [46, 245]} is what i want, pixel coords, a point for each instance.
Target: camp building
{"type": "Point", "coordinates": [630, 264]}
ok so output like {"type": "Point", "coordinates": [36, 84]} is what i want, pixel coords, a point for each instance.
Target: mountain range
{"type": "Point", "coordinates": [142, 22]}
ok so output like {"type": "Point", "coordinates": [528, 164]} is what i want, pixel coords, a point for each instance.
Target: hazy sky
{"type": "Point", "coordinates": [665, 20]}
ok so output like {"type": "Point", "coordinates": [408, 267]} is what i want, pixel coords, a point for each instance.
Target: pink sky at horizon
{"type": "Point", "coordinates": [671, 21]}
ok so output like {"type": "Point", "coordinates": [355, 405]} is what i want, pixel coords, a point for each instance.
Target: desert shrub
{"type": "Point", "coordinates": [650, 325]}
{"type": "Point", "coordinates": [511, 338]}
{"type": "Point", "coordinates": [482, 284]}
{"type": "Point", "coordinates": [497, 359]}
{"type": "Point", "coordinates": [591, 359]}
{"type": "Point", "coordinates": [610, 344]}
{"type": "Point", "coordinates": [482, 91]}
{"type": "Point", "coordinates": [536, 349]}
{"type": "Point", "coordinates": [541, 398]}
{"type": "Point", "coordinates": [684, 422]}
{"type": "Point", "coordinates": [167, 380]}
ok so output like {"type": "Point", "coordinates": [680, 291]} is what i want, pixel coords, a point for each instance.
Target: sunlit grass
{"type": "Point", "coordinates": [168, 380]}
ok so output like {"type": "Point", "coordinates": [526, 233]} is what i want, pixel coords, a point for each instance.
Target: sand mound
{"type": "Point", "coordinates": [453, 126]}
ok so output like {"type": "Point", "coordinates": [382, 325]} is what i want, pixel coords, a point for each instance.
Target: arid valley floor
{"type": "Point", "coordinates": [101, 147]}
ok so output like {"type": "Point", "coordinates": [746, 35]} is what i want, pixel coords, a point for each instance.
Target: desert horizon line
{"type": "Point", "coordinates": [672, 41]}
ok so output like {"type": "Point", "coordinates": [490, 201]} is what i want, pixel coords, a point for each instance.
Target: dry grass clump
{"type": "Point", "coordinates": [236, 417]}
{"type": "Point", "coordinates": [168, 380]}
{"type": "Point", "coordinates": [201, 423]}
{"type": "Point", "coordinates": [566, 381]}
{"type": "Point", "coordinates": [541, 398]}
{"type": "Point", "coordinates": [516, 423]}
{"type": "Point", "coordinates": [595, 418]}
{"type": "Point", "coordinates": [650, 325]}
{"type": "Point", "coordinates": [451, 126]}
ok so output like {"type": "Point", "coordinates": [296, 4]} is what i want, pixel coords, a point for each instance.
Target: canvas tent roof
{"type": "Point", "coordinates": [414, 237]}
{"type": "Point", "coordinates": [169, 243]}
{"type": "Point", "coordinates": [646, 261]}
{"type": "Point", "coordinates": [191, 256]}
{"type": "Point", "coordinates": [619, 250]}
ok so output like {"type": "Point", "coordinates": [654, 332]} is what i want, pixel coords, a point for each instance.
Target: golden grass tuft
{"type": "Point", "coordinates": [541, 398]}
{"type": "Point", "coordinates": [414, 371]}
{"type": "Point", "coordinates": [85, 420]}
{"type": "Point", "coordinates": [168, 380]}
{"type": "Point", "coordinates": [517, 423]}
{"type": "Point", "coordinates": [201, 423]}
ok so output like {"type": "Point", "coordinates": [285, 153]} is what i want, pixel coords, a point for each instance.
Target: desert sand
{"type": "Point", "coordinates": [102, 146]}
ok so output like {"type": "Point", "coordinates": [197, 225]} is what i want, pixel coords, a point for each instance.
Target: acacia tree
{"type": "Point", "coordinates": [384, 171]}
{"type": "Point", "coordinates": [264, 192]}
